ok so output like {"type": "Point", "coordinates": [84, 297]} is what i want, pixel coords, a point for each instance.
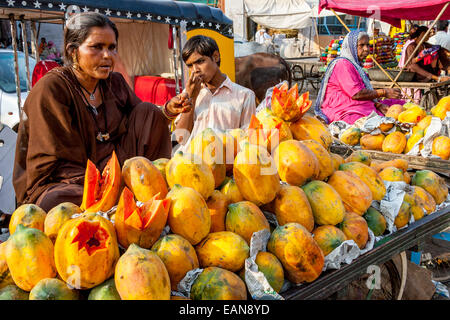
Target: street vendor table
{"type": "Point", "coordinates": [331, 281]}
{"type": "Point", "coordinates": [432, 92]}
{"type": "Point", "coordinates": [306, 70]}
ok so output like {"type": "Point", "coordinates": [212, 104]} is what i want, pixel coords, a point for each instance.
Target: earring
{"type": "Point", "coordinates": [76, 66]}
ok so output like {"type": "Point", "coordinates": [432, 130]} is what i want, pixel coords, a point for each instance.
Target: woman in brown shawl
{"type": "Point", "coordinates": [85, 111]}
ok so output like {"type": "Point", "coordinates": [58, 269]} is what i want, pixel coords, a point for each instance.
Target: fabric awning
{"type": "Point", "coordinates": [288, 14]}
{"type": "Point", "coordinates": [390, 11]}
{"type": "Point", "coordinates": [159, 11]}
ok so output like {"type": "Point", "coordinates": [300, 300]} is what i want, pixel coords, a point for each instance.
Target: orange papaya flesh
{"type": "Point", "coordinates": [101, 190]}
{"type": "Point", "coordinates": [152, 211]}
{"type": "Point", "coordinates": [257, 135]}
{"type": "Point", "coordinates": [91, 236]}
{"type": "Point", "coordinates": [305, 107]}
{"type": "Point", "coordinates": [92, 179]}
{"type": "Point", "coordinates": [142, 217]}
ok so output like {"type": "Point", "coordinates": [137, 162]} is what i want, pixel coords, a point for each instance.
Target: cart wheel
{"type": "Point", "coordinates": [316, 77]}
{"type": "Point", "coordinates": [298, 75]}
{"type": "Point", "coordinates": [391, 285]}
{"type": "Point", "coordinates": [312, 73]}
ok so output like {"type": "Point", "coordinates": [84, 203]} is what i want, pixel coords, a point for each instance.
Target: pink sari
{"type": "Point", "coordinates": [343, 84]}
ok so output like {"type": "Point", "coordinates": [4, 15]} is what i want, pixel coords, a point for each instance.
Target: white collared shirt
{"type": "Point", "coordinates": [231, 106]}
{"type": "Point", "coordinates": [441, 38]}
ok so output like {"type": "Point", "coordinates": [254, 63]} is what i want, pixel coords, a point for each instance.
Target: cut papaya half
{"type": "Point", "coordinates": [140, 224]}
{"type": "Point", "coordinates": [101, 191]}
{"type": "Point", "coordinates": [284, 87]}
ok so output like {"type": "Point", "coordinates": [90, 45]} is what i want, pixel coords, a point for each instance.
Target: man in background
{"type": "Point", "coordinates": [441, 37]}
{"type": "Point", "coordinates": [42, 45]}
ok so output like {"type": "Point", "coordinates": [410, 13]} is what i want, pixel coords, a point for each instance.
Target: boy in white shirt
{"type": "Point", "coordinates": [218, 102]}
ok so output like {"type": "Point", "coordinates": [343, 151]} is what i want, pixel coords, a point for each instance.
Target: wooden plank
{"type": "Point", "coordinates": [415, 85]}
{"type": "Point", "coordinates": [415, 162]}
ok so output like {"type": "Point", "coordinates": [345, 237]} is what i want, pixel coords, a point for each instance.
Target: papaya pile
{"type": "Point", "coordinates": [395, 137]}
{"type": "Point", "coordinates": [142, 226]}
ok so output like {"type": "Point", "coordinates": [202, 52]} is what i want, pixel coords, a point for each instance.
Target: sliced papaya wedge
{"type": "Point", "coordinates": [101, 191]}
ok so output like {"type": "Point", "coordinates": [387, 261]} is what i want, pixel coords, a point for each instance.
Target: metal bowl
{"type": "Point", "coordinates": [375, 74]}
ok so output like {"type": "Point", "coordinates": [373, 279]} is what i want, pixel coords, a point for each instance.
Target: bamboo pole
{"type": "Point", "coordinates": [16, 62]}
{"type": "Point", "coordinates": [180, 58]}
{"type": "Point", "coordinates": [340, 20]}
{"type": "Point", "coordinates": [175, 58]}
{"type": "Point", "coordinates": [25, 51]}
{"type": "Point", "coordinates": [395, 82]}
{"type": "Point", "coordinates": [34, 44]}
{"type": "Point", "coordinates": [422, 41]}
{"type": "Point", "coordinates": [316, 30]}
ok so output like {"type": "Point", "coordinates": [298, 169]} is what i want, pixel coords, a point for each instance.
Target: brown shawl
{"type": "Point", "coordinates": [57, 135]}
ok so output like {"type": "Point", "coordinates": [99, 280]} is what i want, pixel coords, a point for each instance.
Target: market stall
{"type": "Point", "coordinates": [247, 214]}
{"type": "Point", "coordinates": [273, 213]}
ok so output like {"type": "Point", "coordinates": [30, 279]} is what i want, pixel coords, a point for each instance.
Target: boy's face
{"type": "Point", "coordinates": [203, 67]}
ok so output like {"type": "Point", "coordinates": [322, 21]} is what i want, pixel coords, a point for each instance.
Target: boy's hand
{"type": "Point", "coordinates": [193, 85]}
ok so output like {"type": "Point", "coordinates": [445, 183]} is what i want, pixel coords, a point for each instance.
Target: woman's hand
{"type": "Point", "coordinates": [180, 104]}
{"type": "Point", "coordinates": [393, 93]}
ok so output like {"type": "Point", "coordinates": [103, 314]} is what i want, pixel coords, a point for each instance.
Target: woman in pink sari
{"type": "Point", "coordinates": [346, 93]}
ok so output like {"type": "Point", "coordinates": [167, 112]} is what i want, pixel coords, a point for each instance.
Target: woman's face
{"type": "Point", "coordinates": [96, 55]}
{"type": "Point", "coordinates": [363, 48]}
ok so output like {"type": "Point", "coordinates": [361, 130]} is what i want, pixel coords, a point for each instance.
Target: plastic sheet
{"type": "Point", "coordinates": [184, 286]}
{"type": "Point", "coordinates": [347, 252]}
{"type": "Point", "coordinates": [256, 282]}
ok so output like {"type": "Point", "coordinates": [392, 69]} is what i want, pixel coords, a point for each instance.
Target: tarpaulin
{"type": "Point", "coordinates": [288, 14]}
{"type": "Point", "coordinates": [390, 11]}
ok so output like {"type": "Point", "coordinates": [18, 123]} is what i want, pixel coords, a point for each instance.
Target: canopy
{"type": "Point", "coordinates": [390, 11]}
{"type": "Point", "coordinates": [161, 11]}
{"type": "Point", "coordinates": [314, 4]}
{"type": "Point", "coordinates": [284, 14]}
{"type": "Point", "coordinates": [287, 14]}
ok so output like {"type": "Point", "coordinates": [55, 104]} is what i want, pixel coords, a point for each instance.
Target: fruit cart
{"type": "Point", "coordinates": [306, 70]}
{"type": "Point", "coordinates": [247, 213]}
{"type": "Point", "coordinates": [331, 281]}
{"type": "Point", "coordinates": [393, 14]}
